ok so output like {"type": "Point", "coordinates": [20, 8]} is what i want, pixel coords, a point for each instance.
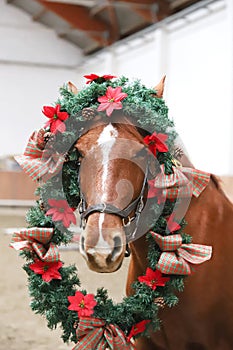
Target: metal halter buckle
{"type": "Point", "coordinates": [103, 210]}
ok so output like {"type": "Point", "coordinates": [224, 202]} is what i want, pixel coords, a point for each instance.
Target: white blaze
{"type": "Point", "coordinates": [106, 141]}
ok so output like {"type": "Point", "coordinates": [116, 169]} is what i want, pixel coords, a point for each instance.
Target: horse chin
{"type": "Point", "coordinates": [100, 264]}
{"type": "Point", "coordinates": [104, 269]}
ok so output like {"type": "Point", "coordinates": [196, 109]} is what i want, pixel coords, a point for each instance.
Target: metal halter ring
{"type": "Point", "coordinates": [129, 219]}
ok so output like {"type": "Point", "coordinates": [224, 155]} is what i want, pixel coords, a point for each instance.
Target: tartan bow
{"type": "Point", "coordinates": [176, 257]}
{"type": "Point", "coordinates": [39, 163]}
{"type": "Point", "coordinates": [36, 239]}
{"type": "Point", "coordinates": [183, 182]}
{"type": "Point", "coordinates": [93, 333]}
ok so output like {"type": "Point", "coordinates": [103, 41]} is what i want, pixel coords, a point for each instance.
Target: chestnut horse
{"type": "Point", "coordinates": [114, 173]}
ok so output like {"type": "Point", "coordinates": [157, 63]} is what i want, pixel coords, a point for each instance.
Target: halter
{"type": "Point", "coordinates": [124, 214]}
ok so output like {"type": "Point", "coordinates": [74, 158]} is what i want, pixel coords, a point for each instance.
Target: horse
{"type": "Point", "coordinates": [203, 319]}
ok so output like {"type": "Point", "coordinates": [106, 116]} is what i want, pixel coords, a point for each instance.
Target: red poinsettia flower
{"type": "Point", "coordinates": [153, 279]}
{"type": "Point", "coordinates": [83, 304]}
{"type": "Point", "coordinates": [61, 211]}
{"type": "Point", "coordinates": [171, 224]}
{"type": "Point", "coordinates": [155, 192]}
{"type": "Point", "coordinates": [156, 142]}
{"type": "Point", "coordinates": [48, 270]}
{"type": "Point", "coordinates": [56, 118]}
{"type": "Point", "coordinates": [137, 328]}
{"type": "Point", "coordinates": [111, 100]}
{"type": "Point", "coordinates": [95, 77]}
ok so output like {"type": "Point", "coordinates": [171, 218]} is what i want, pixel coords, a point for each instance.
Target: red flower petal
{"type": "Point", "coordinates": [90, 302]}
{"type": "Point", "coordinates": [52, 202]}
{"type": "Point", "coordinates": [61, 115]}
{"type": "Point", "coordinates": [108, 76]}
{"type": "Point", "coordinates": [91, 77]}
{"type": "Point", "coordinates": [83, 304]}
{"type": "Point", "coordinates": [75, 301]}
{"type": "Point", "coordinates": [118, 95]}
{"type": "Point", "coordinates": [156, 142]}
{"type": "Point", "coordinates": [111, 100]}
{"type": "Point", "coordinates": [61, 211]}
{"type": "Point", "coordinates": [57, 125]}
{"type": "Point", "coordinates": [103, 99]}
{"type": "Point", "coordinates": [48, 111]}
{"type": "Point", "coordinates": [48, 275]}
{"type": "Point", "coordinates": [160, 143]}
{"type": "Point", "coordinates": [57, 216]}
{"type": "Point", "coordinates": [48, 270]}
{"type": "Point", "coordinates": [137, 329]}
{"type": "Point", "coordinates": [111, 107]}
{"type": "Point", "coordinates": [56, 118]}
{"type": "Point", "coordinates": [153, 279]}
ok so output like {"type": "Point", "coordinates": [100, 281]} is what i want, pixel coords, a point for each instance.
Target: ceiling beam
{"type": "Point", "coordinates": [39, 14]}
{"type": "Point", "coordinates": [79, 18]}
{"type": "Point", "coordinates": [150, 10]}
{"type": "Point", "coordinates": [114, 30]}
{"type": "Point", "coordinates": [142, 3]}
{"type": "Point", "coordinates": [87, 3]}
{"type": "Point", "coordinates": [178, 5]}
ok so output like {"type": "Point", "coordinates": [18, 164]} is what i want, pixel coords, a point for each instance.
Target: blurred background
{"type": "Point", "coordinates": [44, 44]}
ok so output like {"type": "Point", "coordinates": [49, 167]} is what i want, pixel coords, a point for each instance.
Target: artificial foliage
{"type": "Point", "coordinates": [51, 299]}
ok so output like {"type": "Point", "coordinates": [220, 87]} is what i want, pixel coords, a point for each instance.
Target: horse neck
{"type": "Point", "coordinates": [207, 218]}
{"type": "Point", "coordinates": [209, 215]}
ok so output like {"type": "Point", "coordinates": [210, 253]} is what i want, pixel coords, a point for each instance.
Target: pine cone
{"type": "Point", "coordinates": [89, 113]}
{"type": "Point", "coordinates": [42, 207]}
{"type": "Point", "coordinates": [67, 157]}
{"type": "Point", "coordinates": [160, 302]}
{"type": "Point", "coordinates": [49, 136]}
{"type": "Point", "coordinates": [178, 153]}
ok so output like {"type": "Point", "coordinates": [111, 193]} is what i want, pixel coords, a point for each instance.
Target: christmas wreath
{"type": "Point", "coordinates": [95, 321]}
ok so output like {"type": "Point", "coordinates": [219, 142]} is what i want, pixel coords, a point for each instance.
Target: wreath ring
{"type": "Point", "coordinates": [95, 321]}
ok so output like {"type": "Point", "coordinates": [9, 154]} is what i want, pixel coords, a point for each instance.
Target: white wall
{"type": "Point", "coordinates": [199, 93]}
{"type": "Point", "coordinates": [34, 63]}
{"type": "Point", "coordinates": [196, 55]}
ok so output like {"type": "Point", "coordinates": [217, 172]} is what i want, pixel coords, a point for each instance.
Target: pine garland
{"type": "Point", "coordinates": [50, 299]}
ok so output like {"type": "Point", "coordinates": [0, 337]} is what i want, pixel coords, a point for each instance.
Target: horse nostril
{"type": "Point", "coordinates": [117, 247]}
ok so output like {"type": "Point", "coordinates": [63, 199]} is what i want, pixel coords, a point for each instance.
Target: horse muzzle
{"type": "Point", "coordinates": [103, 247]}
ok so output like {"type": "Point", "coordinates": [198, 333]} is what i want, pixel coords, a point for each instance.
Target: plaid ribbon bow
{"type": "Point", "coordinates": [93, 333]}
{"type": "Point", "coordinates": [176, 257]}
{"type": "Point", "coordinates": [39, 163]}
{"type": "Point", "coordinates": [184, 182]}
{"type": "Point", "coordinates": [37, 239]}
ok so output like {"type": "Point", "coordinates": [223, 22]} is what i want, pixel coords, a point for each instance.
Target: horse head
{"type": "Point", "coordinates": [112, 183]}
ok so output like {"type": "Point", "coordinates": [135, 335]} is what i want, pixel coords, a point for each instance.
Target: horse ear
{"type": "Point", "coordinates": [72, 88]}
{"type": "Point", "coordinates": [160, 87]}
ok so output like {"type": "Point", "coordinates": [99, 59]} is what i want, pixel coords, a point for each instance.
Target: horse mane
{"type": "Point", "coordinates": [218, 184]}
